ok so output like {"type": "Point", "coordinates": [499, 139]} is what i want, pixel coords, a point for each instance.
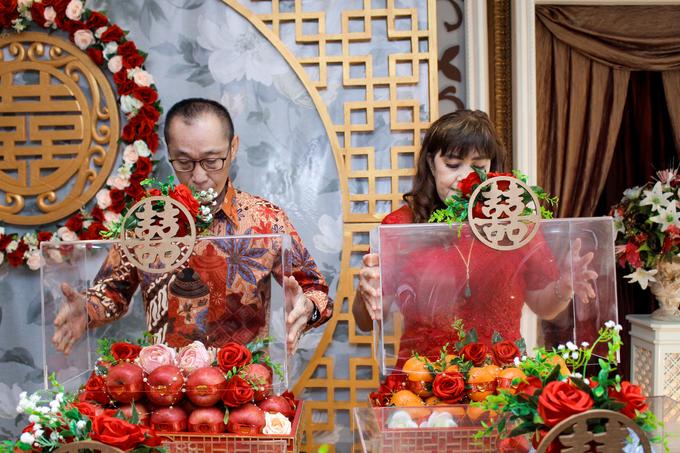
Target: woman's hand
{"type": "Point", "coordinates": [581, 274]}
{"type": "Point", "coordinates": [367, 303]}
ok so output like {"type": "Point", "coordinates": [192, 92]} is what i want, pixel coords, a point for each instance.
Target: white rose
{"type": "Point", "coordinates": [11, 247]}
{"type": "Point", "coordinates": [125, 171]}
{"type": "Point", "coordinates": [74, 10]}
{"type": "Point", "coordinates": [86, 224]}
{"type": "Point", "coordinates": [141, 148]}
{"type": "Point", "coordinates": [111, 48]}
{"type": "Point", "coordinates": [67, 235]}
{"type": "Point", "coordinates": [104, 198]}
{"type": "Point", "coordinates": [143, 78]}
{"type": "Point", "coordinates": [33, 261]}
{"type": "Point", "coordinates": [276, 424]}
{"type": "Point", "coordinates": [50, 15]}
{"type": "Point", "coordinates": [400, 419]}
{"type": "Point", "coordinates": [118, 182]}
{"type": "Point", "coordinates": [55, 255]}
{"type": "Point", "coordinates": [130, 155]}
{"type": "Point", "coordinates": [115, 64]}
{"type": "Point", "coordinates": [83, 38]}
{"type": "Point", "coordinates": [129, 104]}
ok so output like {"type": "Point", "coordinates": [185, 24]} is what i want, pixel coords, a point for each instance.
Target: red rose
{"type": "Point", "coordinates": [529, 386]}
{"type": "Point", "coordinates": [72, 26]}
{"type": "Point", "coordinates": [503, 185]}
{"type": "Point", "coordinates": [96, 55]}
{"type": "Point", "coordinates": [136, 191]}
{"type": "Point", "coordinates": [475, 352]}
{"type": "Point", "coordinates": [86, 408]}
{"type": "Point", "coordinates": [449, 387]}
{"type": "Point", "coordinates": [129, 132]}
{"type": "Point", "coordinates": [96, 20]}
{"type": "Point", "coordinates": [145, 94]}
{"type": "Point", "coordinates": [95, 390]}
{"type": "Point", "coordinates": [9, 5]}
{"type": "Point", "coordinates": [156, 193]}
{"type": "Point", "coordinates": [123, 351]}
{"type": "Point", "coordinates": [378, 399]}
{"type": "Point", "coordinates": [75, 223]}
{"type": "Point", "coordinates": [5, 239]}
{"type": "Point", "coordinates": [44, 236]}
{"type": "Point", "coordinates": [290, 397]}
{"type": "Point", "coordinates": [504, 353]}
{"type": "Point", "coordinates": [120, 77]}
{"type": "Point", "coordinates": [518, 444]}
{"type": "Point", "coordinates": [183, 194]}
{"type": "Point", "coordinates": [146, 128]}
{"type": "Point", "coordinates": [150, 113]}
{"type": "Point", "coordinates": [466, 184]}
{"type": "Point", "coordinates": [113, 33]}
{"type": "Point", "coordinates": [22, 247]}
{"type": "Point", "coordinates": [132, 61]}
{"type": "Point", "coordinates": [116, 432]}
{"type": "Point", "coordinates": [238, 392]}
{"type": "Point", "coordinates": [152, 143]}
{"type": "Point", "coordinates": [97, 213]}
{"type": "Point", "coordinates": [143, 166]}
{"type": "Point", "coordinates": [117, 207]}
{"type": "Point", "coordinates": [38, 14]}
{"type": "Point", "coordinates": [561, 400]}
{"type": "Point", "coordinates": [392, 384]}
{"type": "Point", "coordinates": [632, 396]}
{"type": "Point", "coordinates": [232, 355]}
{"type": "Point", "coordinates": [116, 195]}
{"type": "Point", "coordinates": [127, 48]}
{"type": "Point", "coordinates": [6, 18]}
{"type": "Point", "coordinates": [15, 258]}
{"type": "Point", "coordinates": [126, 87]}
{"type": "Point", "coordinates": [554, 447]}
{"type": "Point", "coordinates": [152, 439]}
{"type": "Point", "coordinates": [94, 231]}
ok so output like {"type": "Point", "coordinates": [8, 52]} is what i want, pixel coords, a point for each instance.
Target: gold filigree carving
{"type": "Point", "coordinates": [51, 132]}
{"type": "Point", "coordinates": [152, 246]}
{"type": "Point", "coordinates": [503, 226]}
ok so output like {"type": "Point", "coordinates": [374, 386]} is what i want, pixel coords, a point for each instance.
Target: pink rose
{"type": "Point", "coordinates": [50, 17]}
{"type": "Point", "coordinates": [193, 356]}
{"type": "Point", "coordinates": [83, 39]}
{"type": "Point", "coordinates": [151, 357]}
{"type": "Point", "coordinates": [130, 154]}
{"type": "Point", "coordinates": [74, 10]}
{"type": "Point", "coordinates": [33, 261]}
{"type": "Point", "coordinates": [55, 254]}
{"type": "Point", "coordinates": [115, 64]}
{"type": "Point", "coordinates": [111, 217]}
{"type": "Point", "coordinates": [143, 78]}
{"type": "Point", "coordinates": [118, 181]}
{"type": "Point", "coordinates": [104, 198]}
{"type": "Point", "coordinates": [66, 235]}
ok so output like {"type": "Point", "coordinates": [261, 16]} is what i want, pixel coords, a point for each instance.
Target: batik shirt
{"type": "Point", "coordinates": [237, 273]}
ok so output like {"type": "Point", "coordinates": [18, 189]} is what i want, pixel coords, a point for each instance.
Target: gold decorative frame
{"type": "Point", "coordinates": [53, 99]}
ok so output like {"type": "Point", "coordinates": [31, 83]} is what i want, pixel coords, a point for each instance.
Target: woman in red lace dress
{"type": "Point", "coordinates": [464, 280]}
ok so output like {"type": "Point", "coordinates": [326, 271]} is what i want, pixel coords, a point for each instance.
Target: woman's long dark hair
{"type": "Point", "coordinates": [459, 134]}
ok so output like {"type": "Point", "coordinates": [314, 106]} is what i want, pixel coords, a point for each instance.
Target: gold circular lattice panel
{"type": "Point", "coordinates": [50, 130]}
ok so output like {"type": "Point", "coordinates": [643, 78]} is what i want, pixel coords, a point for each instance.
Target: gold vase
{"type": "Point", "coordinates": [666, 289]}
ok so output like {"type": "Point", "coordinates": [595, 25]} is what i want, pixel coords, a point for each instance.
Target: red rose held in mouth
{"type": "Point", "coordinates": [561, 400]}
{"type": "Point", "coordinates": [183, 194]}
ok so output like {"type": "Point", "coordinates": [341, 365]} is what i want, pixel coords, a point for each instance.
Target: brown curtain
{"type": "Point", "coordinates": [584, 55]}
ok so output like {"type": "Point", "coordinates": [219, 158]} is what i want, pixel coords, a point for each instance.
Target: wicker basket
{"type": "Point", "coordinates": [237, 443]}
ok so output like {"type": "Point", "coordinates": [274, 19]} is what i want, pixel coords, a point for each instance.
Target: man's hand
{"type": "Point", "coordinates": [71, 321]}
{"type": "Point", "coordinates": [300, 310]}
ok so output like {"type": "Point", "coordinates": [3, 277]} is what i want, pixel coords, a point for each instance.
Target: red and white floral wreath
{"type": "Point", "coordinates": [107, 45]}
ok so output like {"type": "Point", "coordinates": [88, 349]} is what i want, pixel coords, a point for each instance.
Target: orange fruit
{"type": "Point", "coordinates": [557, 360]}
{"type": "Point", "coordinates": [411, 402]}
{"type": "Point", "coordinates": [475, 412]}
{"type": "Point", "coordinates": [456, 411]}
{"type": "Point", "coordinates": [505, 378]}
{"type": "Point", "coordinates": [482, 382]}
{"type": "Point", "coordinates": [451, 368]}
{"type": "Point", "coordinates": [418, 387]}
{"type": "Point", "coordinates": [416, 369]}
{"type": "Point", "coordinates": [493, 369]}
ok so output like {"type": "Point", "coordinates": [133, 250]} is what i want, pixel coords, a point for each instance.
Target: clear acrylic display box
{"type": "Point", "coordinates": [216, 307]}
{"type": "Point", "coordinates": [228, 445]}
{"type": "Point", "coordinates": [433, 274]}
{"type": "Point", "coordinates": [373, 433]}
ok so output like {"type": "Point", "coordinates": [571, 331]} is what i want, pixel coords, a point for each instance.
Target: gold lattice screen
{"type": "Point", "coordinates": [408, 117]}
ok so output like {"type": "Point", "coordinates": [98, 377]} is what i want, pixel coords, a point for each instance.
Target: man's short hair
{"type": "Point", "coordinates": [190, 110]}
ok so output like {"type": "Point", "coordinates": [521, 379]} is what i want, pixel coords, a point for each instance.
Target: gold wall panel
{"type": "Point", "coordinates": [51, 133]}
{"type": "Point", "coordinates": [360, 210]}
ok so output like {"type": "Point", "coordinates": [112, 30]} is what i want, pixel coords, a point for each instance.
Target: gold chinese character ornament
{"type": "Point", "coordinates": [148, 235]}
{"type": "Point", "coordinates": [58, 130]}
{"type": "Point", "coordinates": [505, 223]}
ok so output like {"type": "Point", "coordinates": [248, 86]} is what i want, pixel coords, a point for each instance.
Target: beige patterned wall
{"type": "Point", "coordinates": [356, 165]}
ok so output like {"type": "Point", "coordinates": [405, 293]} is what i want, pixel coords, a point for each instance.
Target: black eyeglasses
{"type": "Point", "coordinates": [187, 165]}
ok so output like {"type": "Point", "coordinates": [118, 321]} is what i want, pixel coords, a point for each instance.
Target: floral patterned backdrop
{"type": "Point", "coordinates": [203, 48]}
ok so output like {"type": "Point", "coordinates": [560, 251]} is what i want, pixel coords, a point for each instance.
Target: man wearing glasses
{"type": "Point", "coordinates": [201, 146]}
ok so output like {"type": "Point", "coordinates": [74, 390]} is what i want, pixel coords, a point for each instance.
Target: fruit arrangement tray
{"type": "Point", "coordinates": [229, 442]}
